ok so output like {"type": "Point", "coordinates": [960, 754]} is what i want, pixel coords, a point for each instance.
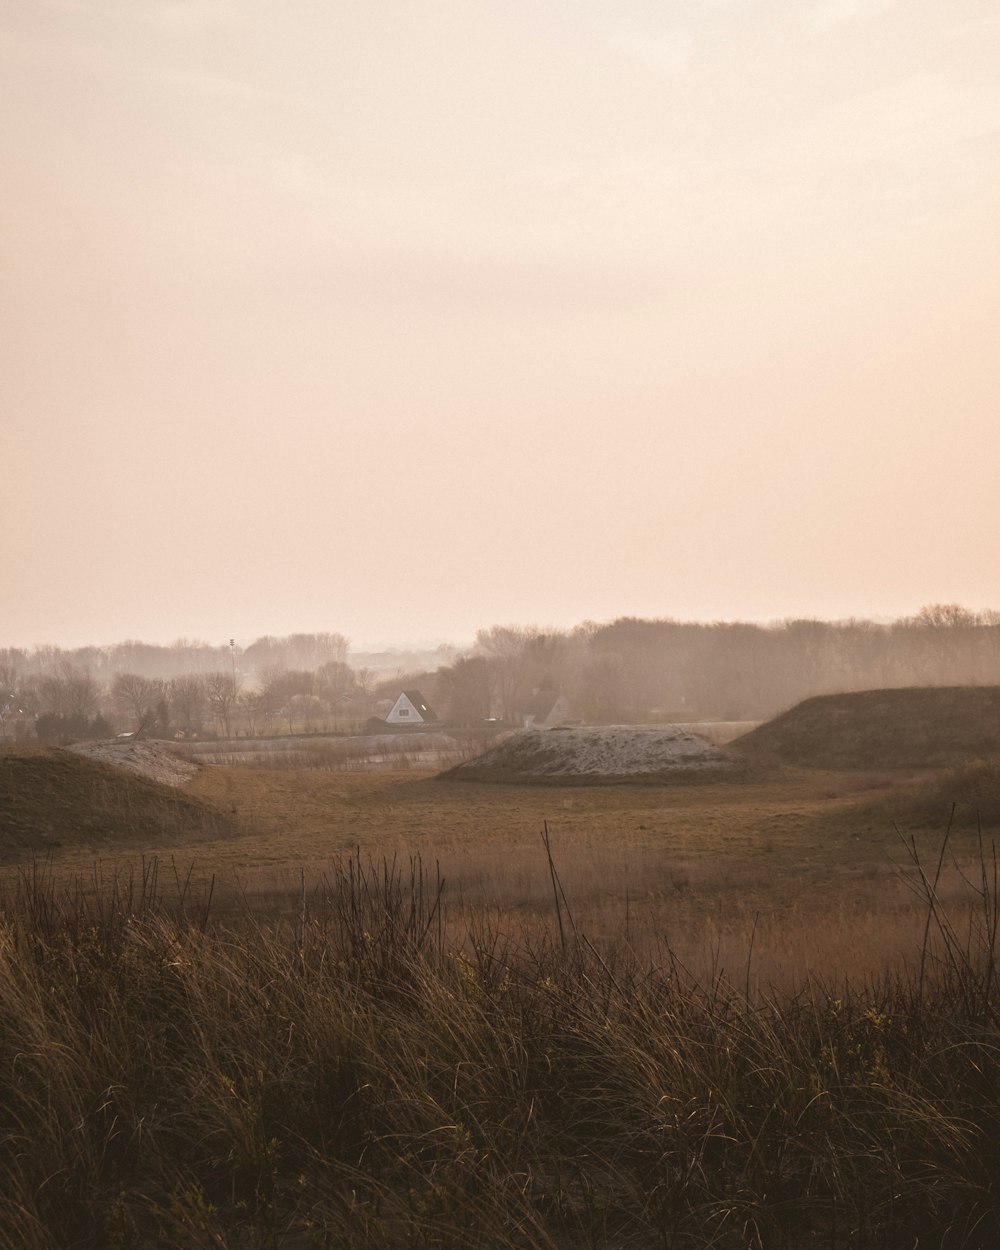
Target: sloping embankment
{"type": "Point", "coordinates": [55, 798]}
{"type": "Point", "coordinates": [913, 727]}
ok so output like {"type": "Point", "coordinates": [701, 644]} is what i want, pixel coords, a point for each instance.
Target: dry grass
{"type": "Point", "coordinates": [398, 751]}
{"type": "Point", "coordinates": [374, 1073]}
{"type": "Point", "coordinates": [805, 862]}
{"type": "Point", "coordinates": [56, 801]}
{"type": "Point", "coordinates": [917, 727]}
{"type": "Point", "coordinates": [964, 797]}
{"type": "Point", "coordinates": [739, 1016]}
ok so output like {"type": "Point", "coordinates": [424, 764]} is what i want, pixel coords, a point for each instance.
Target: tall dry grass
{"type": "Point", "coordinates": [378, 1069]}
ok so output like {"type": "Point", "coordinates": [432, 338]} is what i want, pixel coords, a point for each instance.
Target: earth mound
{"type": "Point", "coordinates": [911, 727]}
{"type": "Point", "coordinates": [58, 798]}
{"type": "Point", "coordinates": [148, 759]}
{"type": "Point", "coordinates": [595, 755]}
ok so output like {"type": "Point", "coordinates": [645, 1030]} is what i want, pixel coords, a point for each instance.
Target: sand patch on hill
{"type": "Point", "coordinates": [597, 753]}
{"type": "Point", "coordinates": [148, 759]}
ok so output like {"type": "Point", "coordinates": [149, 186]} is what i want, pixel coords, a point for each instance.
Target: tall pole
{"type": "Point", "coordinates": [232, 655]}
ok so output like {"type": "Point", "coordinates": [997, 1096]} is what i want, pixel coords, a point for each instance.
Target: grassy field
{"type": "Point", "coordinates": [386, 1011]}
{"type": "Point", "coordinates": [812, 864]}
{"type": "Point", "coordinates": [371, 1072]}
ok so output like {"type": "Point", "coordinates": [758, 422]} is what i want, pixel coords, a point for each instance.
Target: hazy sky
{"type": "Point", "coordinates": [404, 317]}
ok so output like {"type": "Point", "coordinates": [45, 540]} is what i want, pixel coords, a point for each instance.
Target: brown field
{"type": "Point", "coordinates": [245, 1013]}
{"type": "Point", "coordinates": [333, 1007]}
{"type": "Point", "coordinates": [810, 866]}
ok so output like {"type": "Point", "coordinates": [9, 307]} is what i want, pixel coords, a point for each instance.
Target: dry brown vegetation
{"type": "Point", "coordinates": [806, 860]}
{"type": "Point", "coordinates": [372, 1072]}
{"type": "Point", "coordinates": [915, 727]}
{"type": "Point", "coordinates": [54, 801]}
{"type": "Point", "coordinates": [375, 1009]}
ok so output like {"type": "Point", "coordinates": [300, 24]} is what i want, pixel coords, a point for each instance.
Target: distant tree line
{"type": "Point", "coordinates": [627, 670]}
{"type": "Point", "coordinates": [185, 688]}
{"type": "Point", "coordinates": [634, 670]}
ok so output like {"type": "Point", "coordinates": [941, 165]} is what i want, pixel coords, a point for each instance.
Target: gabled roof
{"type": "Point", "coordinates": [417, 699]}
{"type": "Point", "coordinates": [541, 705]}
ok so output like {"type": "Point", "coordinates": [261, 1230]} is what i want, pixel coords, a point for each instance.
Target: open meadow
{"type": "Point", "coordinates": [271, 1007]}
{"type": "Point", "coordinates": [815, 866]}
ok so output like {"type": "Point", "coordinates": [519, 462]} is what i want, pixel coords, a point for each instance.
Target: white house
{"type": "Point", "coordinates": [547, 708]}
{"type": "Point", "coordinates": [410, 709]}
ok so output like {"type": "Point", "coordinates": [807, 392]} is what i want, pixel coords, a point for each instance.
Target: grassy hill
{"type": "Point", "coordinates": [51, 798]}
{"type": "Point", "coordinates": [915, 727]}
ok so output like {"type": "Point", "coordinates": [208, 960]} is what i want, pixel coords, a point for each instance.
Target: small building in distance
{"type": "Point", "coordinates": [410, 708]}
{"type": "Point", "coordinates": [545, 709]}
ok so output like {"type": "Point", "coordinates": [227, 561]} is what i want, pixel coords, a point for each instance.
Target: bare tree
{"type": "Point", "coordinates": [945, 616]}
{"type": "Point", "coordinates": [135, 694]}
{"type": "Point", "coordinates": [252, 703]}
{"type": "Point", "coordinates": [303, 707]}
{"type": "Point", "coordinates": [297, 651]}
{"type": "Point", "coordinates": [467, 688]}
{"type": "Point", "coordinates": [507, 647]}
{"type": "Point", "coordinates": [187, 700]}
{"type": "Point", "coordinates": [334, 678]}
{"type": "Point", "coordinates": [10, 688]}
{"type": "Point", "coordinates": [69, 691]}
{"type": "Point", "coordinates": [367, 680]}
{"type": "Point", "coordinates": [222, 691]}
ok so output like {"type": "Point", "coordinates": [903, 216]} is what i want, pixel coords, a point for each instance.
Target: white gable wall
{"type": "Point", "coordinates": [404, 713]}
{"type": "Point", "coordinates": [560, 711]}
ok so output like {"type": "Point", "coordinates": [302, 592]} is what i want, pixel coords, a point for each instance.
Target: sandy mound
{"type": "Point", "coordinates": [914, 727]}
{"type": "Point", "coordinates": [148, 759]}
{"type": "Point", "coordinates": [596, 754]}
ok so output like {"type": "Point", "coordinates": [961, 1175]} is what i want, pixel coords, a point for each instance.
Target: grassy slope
{"type": "Point", "coordinates": [967, 797]}
{"type": "Point", "coordinates": [919, 727]}
{"type": "Point", "coordinates": [57, 799]}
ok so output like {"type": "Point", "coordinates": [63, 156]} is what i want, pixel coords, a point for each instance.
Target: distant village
{"type": "Point", "coordinates": [631, 670]}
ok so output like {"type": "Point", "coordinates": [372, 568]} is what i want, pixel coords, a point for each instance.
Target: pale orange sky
{"type": "Point", "coordinates": [405, 318]}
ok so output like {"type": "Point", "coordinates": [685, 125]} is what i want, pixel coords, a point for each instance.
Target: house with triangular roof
{"type": "Point", "coordinates": [545, 709]}
{"type": "Point", "coordinates": [410, 708]}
